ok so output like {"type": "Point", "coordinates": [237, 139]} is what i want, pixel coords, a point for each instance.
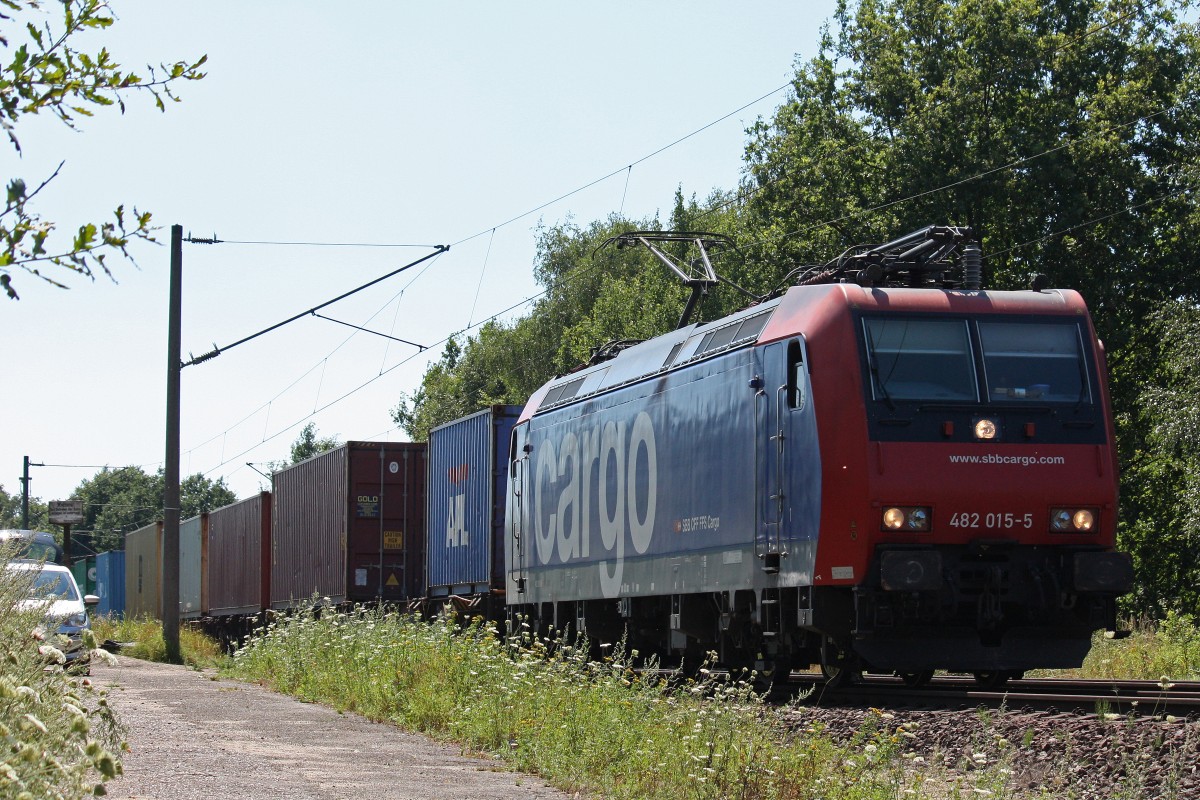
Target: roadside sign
{"type": "Point", "coordinates": [66, 512]}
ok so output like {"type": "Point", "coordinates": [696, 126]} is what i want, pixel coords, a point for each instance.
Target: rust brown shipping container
{"type": "Point", "coordinates": [239, 557]}
{"type": "Point", "coordinates": [349, 525]}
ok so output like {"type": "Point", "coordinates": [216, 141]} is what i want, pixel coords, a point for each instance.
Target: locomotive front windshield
{"type": "Point", "coordinates": [1033, 361]}
{"type": "Point", "coordinates": [966, 361]}
{"type": "Point", "coordinates": [921, 360]}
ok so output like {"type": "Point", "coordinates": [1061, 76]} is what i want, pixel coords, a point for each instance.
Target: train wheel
{"type": "Point", "coordinates": [992, 679]}
{"type": "Point", "coordinates": [838, 667]}
{"type": "Point", "coordinates": [915, 680]}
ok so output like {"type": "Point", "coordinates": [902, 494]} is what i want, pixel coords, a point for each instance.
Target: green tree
{"type": "Point", "coordinates": [10, 512]}
{"type": "Point", "coordinates": [308, 444]}
{"type": "Point", "coordinates": [590, 296]}
{"type": "Point", "coordinates": [199, 495]}
{"type": "Point", "coordinates": [44, 73]}
{"type": "Point", "coordinates": [1066, 134]}
{"type": "Point", "coordinates": [117, 501]}
{"type": "Point", "coordinates": [1161, 482]}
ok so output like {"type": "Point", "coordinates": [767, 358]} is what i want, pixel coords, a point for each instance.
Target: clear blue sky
{"type": "Point", "coordinates": [373, 122]}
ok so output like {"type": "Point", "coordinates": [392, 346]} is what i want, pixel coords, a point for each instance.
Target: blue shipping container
{"type": "Point", "coordinates": [110, 583]}
{"type": "Point", "coordinates": [468, 462]}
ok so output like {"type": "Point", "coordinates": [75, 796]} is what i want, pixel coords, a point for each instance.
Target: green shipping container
{"type": "Point", "coordinates": [84, 570]}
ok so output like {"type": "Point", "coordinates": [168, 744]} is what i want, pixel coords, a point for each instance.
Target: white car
{"type": "Point", "coordinates": [52, 587]}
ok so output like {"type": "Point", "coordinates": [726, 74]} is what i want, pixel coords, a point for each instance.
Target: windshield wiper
{"type": "Point", "coordinates": [875, 370]}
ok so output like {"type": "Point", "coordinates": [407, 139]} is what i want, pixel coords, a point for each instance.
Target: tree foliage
{"type": "Point", "coordinates": [308, 444]}
{"type": "Point", "coordinates": [117, 501]}
{"type": "Point", "coordinates": [1161, 499]}
{"type": "Point", "coordinates": [592, 295]}
{"type": "Point", "coordinates": [10, 512]}
{"type": "Point", "coordinates": [45, 73]}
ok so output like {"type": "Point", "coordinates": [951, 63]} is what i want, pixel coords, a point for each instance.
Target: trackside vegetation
{"type": "Point", "coordinates": [598, 727]}
{"type": "Point", "coordinates": [586, 725]}
{"type": "Point", "coordinates": [1168, 649]}
{"type": "Point", "coordinates": [58, 737]}
{"type": "Point", "coordinates": [142, 637]}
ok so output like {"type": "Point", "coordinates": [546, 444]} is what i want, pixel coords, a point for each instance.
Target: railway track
{"type": "Point", "coordinates": [1109, 697]}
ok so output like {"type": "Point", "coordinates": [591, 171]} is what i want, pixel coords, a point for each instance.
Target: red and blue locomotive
{"type": "Point", "coordinates": [885, 468]}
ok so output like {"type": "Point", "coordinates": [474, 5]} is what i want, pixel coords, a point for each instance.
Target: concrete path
{"type": "Point", "coordinates": [194, 737]}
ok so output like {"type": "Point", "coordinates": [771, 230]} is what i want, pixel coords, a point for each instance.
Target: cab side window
{"type": "Point", "coordinates": [797, 382]}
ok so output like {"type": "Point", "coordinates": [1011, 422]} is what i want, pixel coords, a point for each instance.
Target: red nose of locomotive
{"type": "Point", "coordinates": [981, 513]}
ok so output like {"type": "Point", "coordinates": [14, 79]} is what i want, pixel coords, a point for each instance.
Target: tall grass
{"type": "Point", "coordinates": [585, 725]}
{"type": "Point", "coordinates": [1168, 648]}
{"type": "Point", "coordinates": [57, 733]}
{"type": "Point", "coordinates": [142, 637]}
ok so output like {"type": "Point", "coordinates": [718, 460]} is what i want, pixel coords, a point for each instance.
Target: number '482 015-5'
{"type": "Point", "coordinates": [996, 520]}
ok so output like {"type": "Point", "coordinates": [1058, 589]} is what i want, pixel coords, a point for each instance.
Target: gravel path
{"type": "Point", "coordinates": [193, 736]}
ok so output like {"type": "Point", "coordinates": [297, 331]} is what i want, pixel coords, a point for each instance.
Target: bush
{"type": "Point", "coordinates": [56, 730]}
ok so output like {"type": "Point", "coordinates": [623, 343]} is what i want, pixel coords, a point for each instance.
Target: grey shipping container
{"type": "Point", "coordinates": [193, 567]}
{"type": "Point", "coordinates": [239, 557]}
{"type": "Point", "coordinates": [468, 466]}
{"type": "Point", "coordinates": [349, 525]}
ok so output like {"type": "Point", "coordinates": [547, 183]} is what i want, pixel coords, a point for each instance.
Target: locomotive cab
{"type": "Point", "coordinates": [989, 471]}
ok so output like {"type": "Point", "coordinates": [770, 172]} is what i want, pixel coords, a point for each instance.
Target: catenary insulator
{"type": "Point", "coordinates": [972, 259]}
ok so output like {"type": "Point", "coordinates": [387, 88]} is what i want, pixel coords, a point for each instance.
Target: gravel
{"type": "Point", "coordinates": [1048, 754]}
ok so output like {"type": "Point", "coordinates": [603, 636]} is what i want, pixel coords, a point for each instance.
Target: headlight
{"type": "Point", "coordinates": [79, 620]}
{"type": "Point", "coordinates": [1073, 520]}
{"type": "Point", "coordinates": [906, 518]}
{"type": "Point", "coordinates": [987, 429]}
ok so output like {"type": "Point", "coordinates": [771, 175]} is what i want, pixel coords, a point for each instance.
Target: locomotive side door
{"type": "Point", "coordinates": [515, 544]}
{"type": "Point", "coordinates": [770, 447]}
{"type": "Point", "coordinates": [787, 477]}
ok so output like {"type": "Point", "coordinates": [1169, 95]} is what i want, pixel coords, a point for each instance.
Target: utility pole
{"type": "Point", "coordinates": [170, 551]}
{"type": "Point", "coordinates": [25, 479]}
